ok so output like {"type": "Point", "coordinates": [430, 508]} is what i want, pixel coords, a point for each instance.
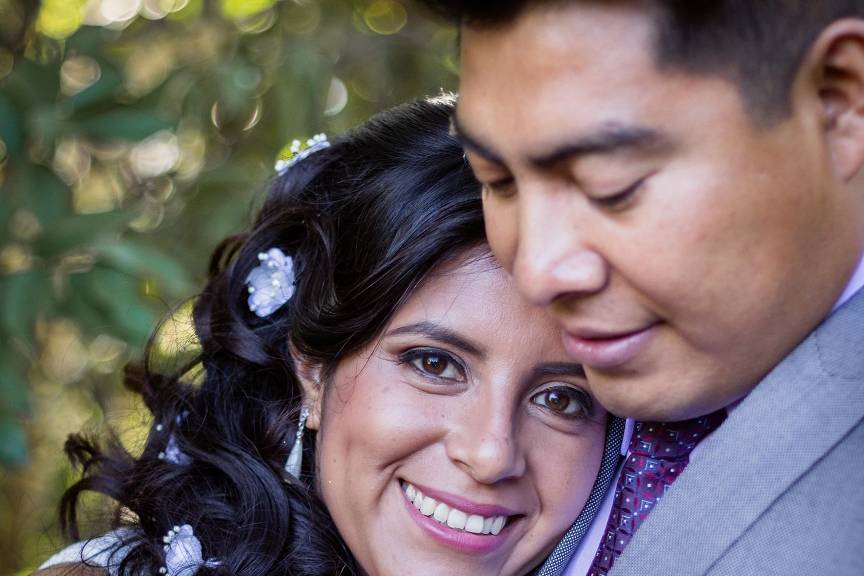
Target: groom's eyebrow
{"type": "Point", "coordinates": [443, 335]}
{"type": "Point", "coordinates": [472, 143]}
{"type": "Point", "coordinates": [553, 369]}
{"type": "Point", "coordinates": [611, 138]}
{"type": "Point", "coordinates": [606, 140]}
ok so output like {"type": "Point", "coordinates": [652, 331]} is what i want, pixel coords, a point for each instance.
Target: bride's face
{"type": "Point", "coordinates": [468, 399]}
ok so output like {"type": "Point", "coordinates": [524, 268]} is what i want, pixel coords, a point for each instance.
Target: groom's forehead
{"type": "Point", "coordinates": [603, 46]}
{"type": "Point", "coordinates": [757, 45]}
{"type": "Point", "coordinates": [558, 98]}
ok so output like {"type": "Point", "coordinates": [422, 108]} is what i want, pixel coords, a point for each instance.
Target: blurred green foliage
{"type": "Point", "coordinates": [134, 135]}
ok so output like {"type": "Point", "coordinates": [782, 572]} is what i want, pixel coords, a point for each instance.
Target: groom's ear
{"type": "Point", "coordinates": [309, 374]}
{"type": "Point", "coordinates": [836, 66]}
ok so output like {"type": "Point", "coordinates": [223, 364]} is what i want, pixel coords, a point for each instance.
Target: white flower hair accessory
{"type": "Point", "coordinates": [183, 555]}
{"type": "Point", "coordinates": [172, 452]}
{"type": "Point", "coordinates": [298, 150]}
{"type": "Point", "coordinates": [271, 283]}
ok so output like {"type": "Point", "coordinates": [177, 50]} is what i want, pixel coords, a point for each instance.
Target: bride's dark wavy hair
{"type": "Point", "coordinates": [365, 220]}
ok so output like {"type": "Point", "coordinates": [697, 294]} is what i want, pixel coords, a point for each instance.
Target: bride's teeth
{"type": "Point", "coordinates": [457, 519]}
{"type": "Point", "coordinates": [497, 525]}
{"type": "Point", "coordinates": [474, 524]}
{"type": "Point", "coordinates": [442, 511]}
{"type": "Point", "coordinates": [452, 517]}
{"type": "Point", "coordinates": [429, 505]}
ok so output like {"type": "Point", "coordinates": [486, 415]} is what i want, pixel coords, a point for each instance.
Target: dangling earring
{"type": "Point", "coordinates": [295, 458]}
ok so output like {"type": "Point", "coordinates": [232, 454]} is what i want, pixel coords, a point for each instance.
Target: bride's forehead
{"type": "Point", "coordinates": [467, 281]}
{"type": "Point", "coordinates": [474, 295]}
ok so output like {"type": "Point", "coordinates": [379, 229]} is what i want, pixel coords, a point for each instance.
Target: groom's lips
{"type": "Point", "coordinates": [607, 350]}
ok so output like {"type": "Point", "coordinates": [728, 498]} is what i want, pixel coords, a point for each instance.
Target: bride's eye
{"type": "Point", "coordinates": [436, 364]}
{"type": "Point", "coordinates": [564, 401]}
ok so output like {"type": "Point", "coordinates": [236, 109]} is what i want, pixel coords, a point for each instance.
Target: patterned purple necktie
{"type": "Point", "coordinates": [658, 453]}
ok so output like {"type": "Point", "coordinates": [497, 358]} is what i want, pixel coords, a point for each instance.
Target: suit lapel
{"type": "Point", "coordinates": [794, 416]}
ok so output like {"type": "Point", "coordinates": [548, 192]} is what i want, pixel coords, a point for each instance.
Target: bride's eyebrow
{"type": "Point", "coordinates": [441, 334]}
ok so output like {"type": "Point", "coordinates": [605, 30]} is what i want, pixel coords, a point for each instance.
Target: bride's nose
{"type": "Point", "coordinates": [484, 443]}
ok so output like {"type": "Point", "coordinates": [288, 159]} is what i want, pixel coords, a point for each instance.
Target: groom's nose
{"type": "Point", "coordinates": [554, 257]}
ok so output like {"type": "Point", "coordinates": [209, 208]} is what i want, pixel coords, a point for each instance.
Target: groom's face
{"type": "Point", "coordinates": [683, 249]}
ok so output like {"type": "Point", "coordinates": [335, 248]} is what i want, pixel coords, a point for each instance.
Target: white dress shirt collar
{"type": "Point", "coordinates": [855, 284]}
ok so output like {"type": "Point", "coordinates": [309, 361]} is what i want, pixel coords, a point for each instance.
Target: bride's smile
{"type": "Point", "coordinates": [462, 528]}
{"type": "Point", "coordinates": [458, 513]}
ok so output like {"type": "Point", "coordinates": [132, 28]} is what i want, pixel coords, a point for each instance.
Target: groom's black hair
{"type": "Point", "coordinates": [758, 44]}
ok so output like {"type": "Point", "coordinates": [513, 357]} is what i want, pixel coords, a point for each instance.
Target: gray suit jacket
{"type": "Point", "coordinates": [779, 488]}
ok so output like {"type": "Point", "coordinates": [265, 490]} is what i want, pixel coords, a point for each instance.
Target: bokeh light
{"type": "Point", "coordinates": [156, 155]}
{"type": "Point", "coordinates": [119, 11]}
{"type": "Point", "coordinates": [385, 16]}
{"type": "Point", "coordinates": [78, 73]}
{"type": "Point", "coordinates": [72, 160]}
{"type": "Point", "coordinates": [158, 9]}
{"type": "Point", "coordinates": [241, 9]}
{"type": "Point", "coordinates": [337, 97]}
{"type": "Point", "coordinates": [60, 19]}
{"type": "Point", "coordinates": [301, 18]}
{"type": "Point", "coordinates": [101, 191]}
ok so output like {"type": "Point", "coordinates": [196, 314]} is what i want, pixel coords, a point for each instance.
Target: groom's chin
{"type": "Point", "coordinates": [664, 394]}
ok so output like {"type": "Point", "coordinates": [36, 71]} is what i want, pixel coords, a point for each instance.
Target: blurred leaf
{"type": "Point", "coordinates": [191, 10]}
{"type": "Point", "coordinates": [116, 298]}
{"type": "Point", "coordinates": [103, 90]}
{"type": "Point", "coordinates": [10, 128]}
{"type": "Point", "coordinates": [23, 295]}
{"type": "Point", "coordinates": [80, 230]}
{"type": "Point", "coordinates": [14, 396]}
{"type": "Point", "coordinates": [31, 83]}
{"type": "Point", "coordinates": [44, 122]}
{"type": "Point", "coordinates": [89, 40]}
{"type": "Point", "coordinates": [39, 190]}
{"type": "Point", "coordinates": [4, 213]}
{"type": "Point", "coordinates": [123, 124]}
{"type": "Point", "coordinates": [13, 444]}
{"type": "Point", "coordinates": [146, 261]}
{"type": "Point", "coordinates": [77, 304]}
{"type": "Point", "coordinates": [232, 176]}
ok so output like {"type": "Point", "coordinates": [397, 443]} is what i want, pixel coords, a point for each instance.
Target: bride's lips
{"type": "Point", "coordinates": [464, 504]}
{"type": "Point", "coordinates": [461, 540]}
{"type": "Point", "coordinates": [605, 351]}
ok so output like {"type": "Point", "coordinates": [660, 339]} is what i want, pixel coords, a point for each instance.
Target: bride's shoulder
{"type": "Point", "coordinates": [93, 557]}
{"type": "Point", "coordinates": [72, 569]}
